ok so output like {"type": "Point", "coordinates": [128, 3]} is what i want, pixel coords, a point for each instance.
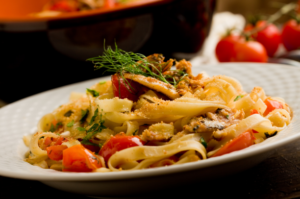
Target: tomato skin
{"type": "Point", "coordinates": [290, 35]}
{"type": "Point", "coordinates": [272, 105]}
{"type": "Point", "coordinates": [122, 90]}
{"type": "Point", "coordinates": [79, 159]}
{"type": "Point", "coordinates": [64, 6]}
{"type": "Point", "coordinates": [56, 152]}
{"type": "Point", "coordinates": [249, 51]}
{"type": "Point", "coordinates": [50, 141]}
{"type": "Point", "coordinates": [254, 111]}
{"type": "Point", "coordinates": [118, 143]}
{"type": "Point", "coordinates": [242, 141]}
{"type": "Point", "coordinates": [225, 48]}
{"type": "Point", "coordinates": [109, 3]}
{"type": "Point", "coordinates": [269, 37]}
{"type": "Point", "coordinates": [91, 147]}
{"type": "Point", "coordinates": [238, 49]}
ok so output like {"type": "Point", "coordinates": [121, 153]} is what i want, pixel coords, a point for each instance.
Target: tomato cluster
{"type": "Point", "coordinates": [258, 42]}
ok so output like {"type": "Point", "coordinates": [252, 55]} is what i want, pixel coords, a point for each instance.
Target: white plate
{"type": "Point", "coordinates": [17, 119]}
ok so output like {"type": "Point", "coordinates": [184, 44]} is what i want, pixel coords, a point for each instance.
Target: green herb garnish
{"type": "Point", "coordinates": [87, 142]}
{"type": "Point", "coordinates": [93, 92]}
{"type": "Point", "coordinates": [94, 117]}
{"type": "Point", "coordinates": [84, 114]}
{"type": "Point", "coordinates": [202, 141]}
{"type": "Point", "coordinates": [102, 82]}
{"type": "Point", "coordinates": [135, 132]}
{"type": "Point", "coordinates": [95, 128]}
{"type": "Point", "coordinates": [120, 61]}
{"type": "Point", "coordinates": [70, 124]}
{"type": "Point", "coordinates": [238, 97]}
{"type": "Point", "coordinates": [227, 116]}
{"type": "Point", "coordinates": [81, 128]}
{"type": "Point", "coordinates": [52, 128]}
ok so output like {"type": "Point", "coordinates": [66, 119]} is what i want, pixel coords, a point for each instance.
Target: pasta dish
{"type": "Point", "coordinates": [151, 114]}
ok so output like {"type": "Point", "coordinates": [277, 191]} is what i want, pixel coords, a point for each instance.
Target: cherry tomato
{"type": "Point", "coordinates": [268, 35]}
{"type": "Point", "coordinates": [225, 48]}
{"type": "Point", "coordinates": [118, 143]}
{"type": "Point", "coordinates": [241, 50]}
{"type": "Point", "coordinates": [79, 159]}
{"type": "Point", "coordinates": [290, 35]}
{"type": "Point", "coordinates": [242, 141]}
{"type": "Point", "coordinates": [272, 105]}
{"type": "Point", "coordinates": [56, 152]}
{"type": "Point", "coordinates": [249, 51]}
{"type": "Point", "coordinates": [122, 90]}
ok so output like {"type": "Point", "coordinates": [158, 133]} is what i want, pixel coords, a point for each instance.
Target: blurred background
{"type": "Point", "coordinates": [45, 50]}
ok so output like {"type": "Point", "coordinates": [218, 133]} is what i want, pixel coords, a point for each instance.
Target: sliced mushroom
{"type": "Point", "coordinates": [154, 84]}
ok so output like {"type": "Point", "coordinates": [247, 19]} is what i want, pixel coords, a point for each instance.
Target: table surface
{"type": "Point", "coordinates": [276, 177]}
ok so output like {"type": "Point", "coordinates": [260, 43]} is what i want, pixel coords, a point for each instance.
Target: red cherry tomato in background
{"type": "Point", "coordinates": [79, 159]}
{"type": "Point", "coordinates": [118, 143]}
{"type": "Point", "coordinates": [272, 105]}
{"type": "Point", "coordinates": [268, 35]}
{"type": "Point", "coordinates": [242, 141]}
{"type": "Point", "coordinates": [249, 51]}
{"type": "Point", "coordinates": [122, 89]}
{"type": "Point", "coordinates": [290, 35]}
{"type": "Point", "coordinates": [238, 49]}
{"type": "Point", "coordinates": [225, 48]}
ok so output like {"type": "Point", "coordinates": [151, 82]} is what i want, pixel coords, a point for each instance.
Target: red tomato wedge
{"type": "Point", "coordinates": [64, 6]}
{"type": "Point", "coordinates": [118, 143]}
{"type": "Point", "coordinates": [50, 141]}
{"type": "Point", "coordinates": [125, 88]}
{"type": "Point", "coordinates": [79, 159]}
{"type": "Point", "coordinates": [272, 105]}
{"type": "Point", "coordinates": [242, 141]}
{"type": "Point", "coordinates": [254, 111]}
{"type": "Point", "coordinates": [56, 152]}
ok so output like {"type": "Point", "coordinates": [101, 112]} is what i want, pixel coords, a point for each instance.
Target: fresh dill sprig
{"type": "Point", "coordinates": [120, 61]}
